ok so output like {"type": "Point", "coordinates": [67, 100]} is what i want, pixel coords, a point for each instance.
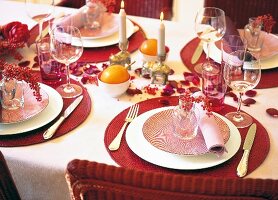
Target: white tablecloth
{"type": "Point", "coordinates": [38, 170]}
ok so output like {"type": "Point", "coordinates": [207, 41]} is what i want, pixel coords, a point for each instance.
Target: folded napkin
{"type": "Point", "coordinates": [211, 132]}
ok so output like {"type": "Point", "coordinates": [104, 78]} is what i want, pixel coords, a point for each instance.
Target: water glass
{"type": "Point", "coordinates": [12, 94]}
{"type": "Point", "coordinates": [49, 68]}
{"type": "Point", "coordinates": [213, 85]}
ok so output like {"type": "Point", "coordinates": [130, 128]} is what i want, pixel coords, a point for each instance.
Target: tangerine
{"type": "Point", "coordinates": [149, 47]}
{"type": "Point", "coordinates": [114, 74]}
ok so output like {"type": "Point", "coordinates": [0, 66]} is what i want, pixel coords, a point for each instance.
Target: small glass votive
{"type": "Point", "coordinates": [186, 118]}
{"type": "Point", "coordinates": [213, 85]}
{"type": "Point", "coordinates": [49, 68]}
{"type": "Point", "coordinates": [254, 35]}
{"type": "Point", "coordinates": [12, 94]}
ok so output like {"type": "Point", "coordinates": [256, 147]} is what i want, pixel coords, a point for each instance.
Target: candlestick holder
{"type": "Point", "coordinates": [122, 57]}
{"type": "Point", "coordinates": [158, 70]}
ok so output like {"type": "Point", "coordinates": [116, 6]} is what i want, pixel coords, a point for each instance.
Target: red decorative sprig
{"type": "Point", "coordinates": [267, 21]}
{"type": "Point", "coordinates": [11, 71]}
{"type": "Point", "coordinates": [190, 99]}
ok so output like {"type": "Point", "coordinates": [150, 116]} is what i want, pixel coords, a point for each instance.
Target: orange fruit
{"type": "Point", "coordinates": [149, 47]}
{"type": "Point", "coordinates": [114, 74]}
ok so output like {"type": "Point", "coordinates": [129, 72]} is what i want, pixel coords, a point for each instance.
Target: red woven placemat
{"type": "Point", "coordinates": [102, 54]}
{"type": "Point", "coordinates": [126, 158]}
{"type": "Point", "coordinates": [269, 77]}
{"type": "Point", "coordinates": [35, 136]}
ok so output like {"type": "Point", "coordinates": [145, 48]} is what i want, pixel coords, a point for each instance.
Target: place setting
{"type": "Point", "coordinates": [195, 52]}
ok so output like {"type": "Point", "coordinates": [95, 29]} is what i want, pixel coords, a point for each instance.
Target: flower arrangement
{"type": "Point", "coordinates": [12, 71]}
{"type": "Point", "coordinates": [13, 35]}
{"type": "Point", "coordinates": [267, 21]}
{"type": "Point", "coordinates": [108, 4]}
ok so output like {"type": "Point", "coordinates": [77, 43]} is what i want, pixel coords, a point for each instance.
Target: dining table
{"type": "Point", "coordinates": [39, 169]}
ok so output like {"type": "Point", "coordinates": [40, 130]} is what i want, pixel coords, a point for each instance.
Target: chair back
{"type": "Point", "coordinates": [143, 8]}
{"type": "Point", "coordinates": [241, 10]}
{"type": "Point", "coordinates": [95, 181]}
{"type": "Point", "coordinates": [8, 190]}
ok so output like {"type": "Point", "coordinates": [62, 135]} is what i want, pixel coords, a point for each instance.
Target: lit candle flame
{"type": "Point", "coordinates": [161, 16]}
{"type": "Point", "coordinates": [122, 4]}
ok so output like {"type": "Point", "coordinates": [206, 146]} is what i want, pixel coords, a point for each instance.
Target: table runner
{"type": "Point", "coordinates": [269, 77]}
{"type": "Point", "coordinates": [35, 136]}
{"type": "Point", "coordinates": [126, 158]}
{"type": "Point", "coordinates": [102, 54]}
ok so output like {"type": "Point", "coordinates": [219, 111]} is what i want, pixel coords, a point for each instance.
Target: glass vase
{"type": "Point", "coordinates": [186, 119]}
{"type": "Point", "coordinates": [254, 35]}
{"type": "Point", "coordinates": [93, 14]}
{"type": "Point", "coordinates": [12, 94]}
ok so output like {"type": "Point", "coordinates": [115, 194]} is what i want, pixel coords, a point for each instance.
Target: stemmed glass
{"type": "Point", "coordinates": [40, 11]}
{"type": "Point", "coordinates": [242, 72]}
{"type": "Point", "coordinates": [66, 47]}
{"type": "Point", "coordinates": [210, 26]}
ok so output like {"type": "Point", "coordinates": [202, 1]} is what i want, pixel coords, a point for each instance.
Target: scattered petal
{"type": "Point", "coordinates": [171, 72]}
{"type": "Point", "coordinates": [251, 93]}
{"type": "Point", "coordinates": [133, 92]}
{"type": "Point", "coordinates": [231, 94]}
{"type": "Point", "coordinates": [196, 80]}
{"type": "Point", "coordinates": [180, 90]}
{"type": "Point", "coordinates": [35, 65]}
{"type": "Point", "coordinates": [36, 59]}
{"type": "Point", "coordinates": [248, 101]}
{"type": "Point", "coordinates": [174, 84]}
{"type": "Point", "coordinates": [272, 112]}
{"type": "Point", "coordinates": [186, 83]}
{"type": "Point", "coordinates": [194, 89]}
{"type": "Point", "coordinates": [138, 71]}
{"type": "Point", "coordinates": [24, 63]}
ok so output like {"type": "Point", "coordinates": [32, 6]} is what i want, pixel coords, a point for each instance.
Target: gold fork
{"type": "Point", "coordinates": [132, 113]}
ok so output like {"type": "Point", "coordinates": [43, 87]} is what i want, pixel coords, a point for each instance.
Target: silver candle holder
{"type": "Point", "coordinates": [158, 70]}
{"type": "Point", "coordinates": [122, 57]}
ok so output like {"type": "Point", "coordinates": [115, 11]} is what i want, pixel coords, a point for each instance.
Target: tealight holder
{"type": "Point", "coordinates": [158, 70]}
{"type": "Point", "coordinates": [122, 57]}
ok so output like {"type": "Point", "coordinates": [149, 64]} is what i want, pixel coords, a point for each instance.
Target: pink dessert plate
{"type": "Point", "coordinates": [159, 132]}
{"type": "Point", "coordinates": [31, 108]}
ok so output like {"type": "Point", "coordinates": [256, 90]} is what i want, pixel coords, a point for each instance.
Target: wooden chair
{"type": "Point", "coordinates": [8, 190]}
{"type": "Point", "coordinates": [241, 10]}
{"type": "Point", "coordinates": [144, 8]}
{"type": "Point", "coordinates": [94, 181]}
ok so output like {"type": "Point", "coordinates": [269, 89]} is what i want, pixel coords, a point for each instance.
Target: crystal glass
{"type": "Point", "coordinates": [242, 72]}
{"type": "Point", "coordinates": [66, 47]}
{"type": "Point", "coordinates": [40, 11]}
{"type": "Point", "coordinates": [210, 26]}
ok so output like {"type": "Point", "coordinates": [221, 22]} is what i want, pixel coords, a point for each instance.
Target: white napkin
{"type": "Point", "coordinates": [211, 132]}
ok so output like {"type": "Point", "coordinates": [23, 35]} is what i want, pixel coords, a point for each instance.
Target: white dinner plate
{"type": "Point", "coordinates": [266, 62]}
{"type": "Point", "coordinates": [141, 147]}
{"type": "Point", "coordinates": [51, 111]}
{"type": "Point", "coordinates": [109, 40]}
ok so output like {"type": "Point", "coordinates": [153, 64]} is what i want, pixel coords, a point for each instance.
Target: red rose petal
{"type": "Point", "coordinates": [196, 80]}
{"type": "Point", "coordinates": [36, 59]}
{"type": "Point", "coordinates": [272, 112]}
{"type": "Point", "coordinates": [174, 84]}
{"type": "Point", "coordinates": [24, 63]}
{"type": "Point", "coordinates": [248, 101]}
{"type": "Point", "coordinates": [133, 92]}
{"type": "Point", "coordinates": [186, 83]}
{"type": "Point", "coordinates": [35, 65]}
{"type": "Point", "coordinates": [251, 93]}
{"type": "Point", "coordinates": [171, 72]}
{"type": "Point", "coordinates": [138, 71]}
{"type": "Point", "coordinates": [194, 89]}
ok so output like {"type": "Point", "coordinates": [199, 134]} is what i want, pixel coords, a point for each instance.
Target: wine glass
{"type": "Point", "coordinates": [210, 26]}
{"type": "Point", "coordinates": [66, 47]}
{"type": "Point", "coordinates": [242, 72]}
{"type": "Point", "coordinates": [40, 11]}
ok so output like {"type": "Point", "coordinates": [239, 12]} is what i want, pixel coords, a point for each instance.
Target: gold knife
{"type": "Point", "coordinates": [52, 129]}
{"type": "Point", "coordinates": [197, 53]}
{"type": "Point", "coordinates": [243, 164]}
